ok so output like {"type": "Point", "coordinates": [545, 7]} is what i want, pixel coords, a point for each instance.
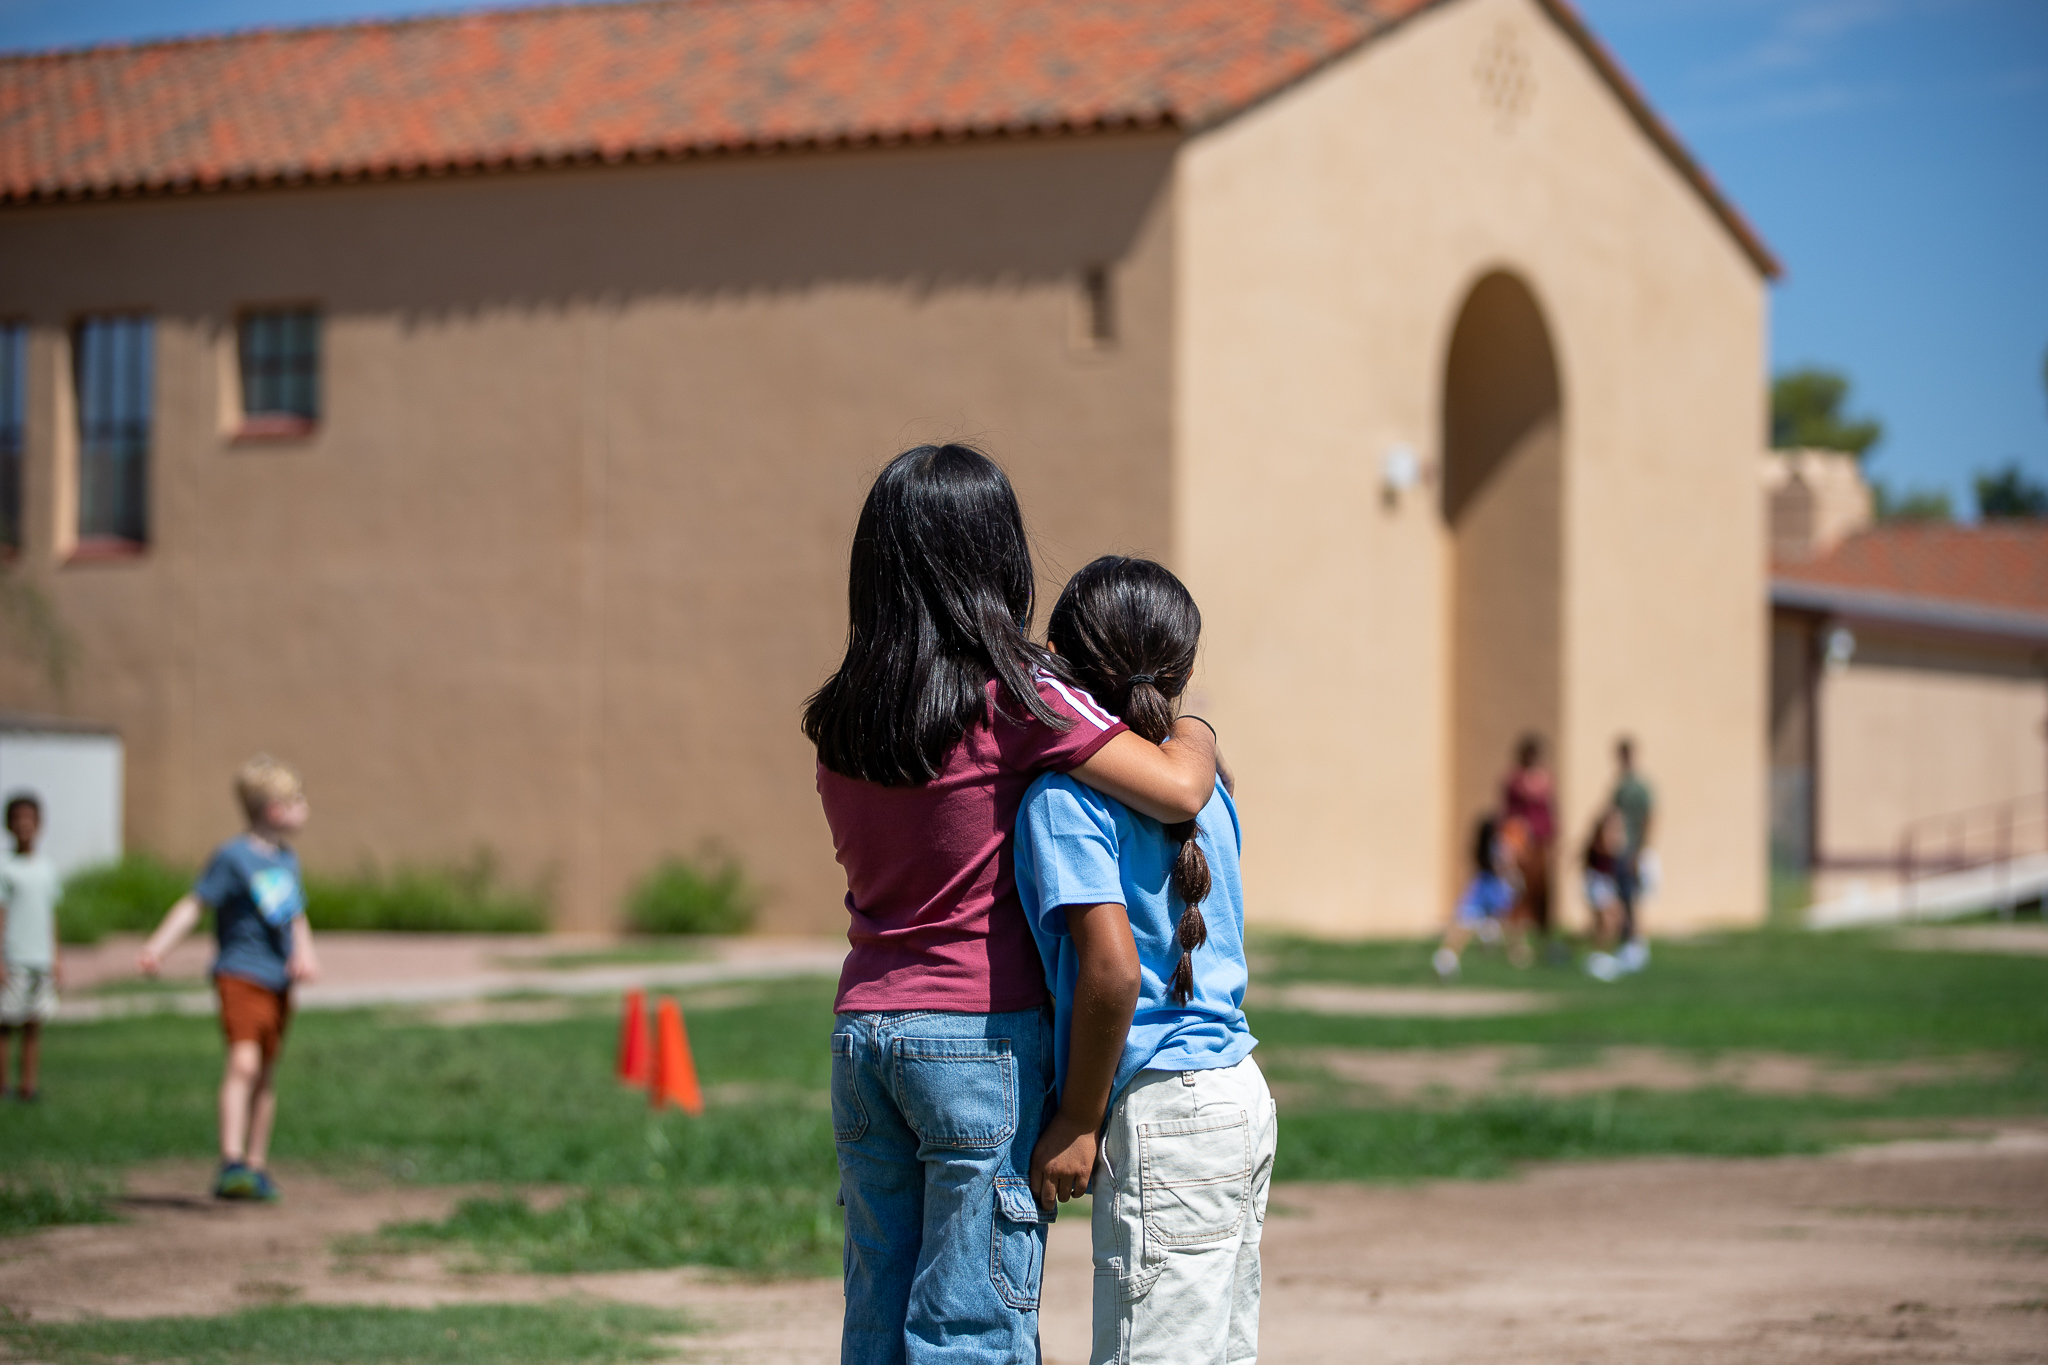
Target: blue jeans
{"type": "Point", "coordinates": [935, 1116]}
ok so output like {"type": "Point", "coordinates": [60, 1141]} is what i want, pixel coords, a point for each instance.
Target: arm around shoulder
{"type": "Point", "coordinates": [1170, 782]}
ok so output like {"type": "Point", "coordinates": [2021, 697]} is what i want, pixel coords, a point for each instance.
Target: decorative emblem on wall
{"type": "Point", "coordinates": [1506, 84]}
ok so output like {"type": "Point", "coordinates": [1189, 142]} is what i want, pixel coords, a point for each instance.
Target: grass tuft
{"type": "Point", "coordinates": [568, 1333]}
{"type": "Point", "coordinates": [42, 1196]}
{"type": "Point", "coordinates": [760, 1231]}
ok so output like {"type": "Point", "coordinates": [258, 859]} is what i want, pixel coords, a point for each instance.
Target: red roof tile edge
{"type": "Point", "coordinates": [1563, 12]}
{"type": "Point", "coordinates": [587, 154]}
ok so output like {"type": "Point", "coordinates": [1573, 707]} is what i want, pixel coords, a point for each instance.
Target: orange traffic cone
{"type": "Point", "coordinates": [675, 1074]}
{"type": "Point", "coordinates": [635, 1066]}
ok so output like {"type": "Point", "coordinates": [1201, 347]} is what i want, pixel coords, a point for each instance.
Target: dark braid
{"type": "Point", "coordinates": [1128, 629]}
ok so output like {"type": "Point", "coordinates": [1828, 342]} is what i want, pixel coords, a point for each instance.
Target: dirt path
{"type": "Point", "coordinates": [1912, 1252]}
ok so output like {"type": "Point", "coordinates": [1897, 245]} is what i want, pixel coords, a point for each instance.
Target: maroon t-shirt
{"type": "Point", "coordinates": [929, 880]}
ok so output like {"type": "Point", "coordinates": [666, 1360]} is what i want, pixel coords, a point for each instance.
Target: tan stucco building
{"type": "Point", "coordinates": [1406, 333]}
{"type": "Point", "coordinates": [1909, 688]}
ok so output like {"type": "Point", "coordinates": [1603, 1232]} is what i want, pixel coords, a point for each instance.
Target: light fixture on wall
{"type": "Point", "coordinates": [1400, 470]}
{"type": "Point", "coordinates": [1840, 647]}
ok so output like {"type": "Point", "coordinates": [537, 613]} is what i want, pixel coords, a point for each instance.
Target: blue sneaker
{"type": "Point", "coordinates": [266, 1188]}
{"type": "Point", "coordinates": [237, 1181]}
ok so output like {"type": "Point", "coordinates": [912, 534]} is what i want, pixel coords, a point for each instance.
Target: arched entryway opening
{"type": "Point", "coordinates": [1503, 474]}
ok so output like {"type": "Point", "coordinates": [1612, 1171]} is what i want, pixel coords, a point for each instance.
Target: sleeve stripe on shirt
{"type": "Point", "coordinates": [1084, 705]}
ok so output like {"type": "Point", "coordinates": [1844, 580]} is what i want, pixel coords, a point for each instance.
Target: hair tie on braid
{"type": "Point", "coordinates": [1148, 679]}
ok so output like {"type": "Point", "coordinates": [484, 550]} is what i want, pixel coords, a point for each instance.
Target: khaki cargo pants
{"type": "Point", "coordinates": [1180, 1200]}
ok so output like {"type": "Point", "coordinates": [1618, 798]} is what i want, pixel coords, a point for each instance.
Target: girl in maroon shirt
{"type": "Point", "coordinates": [939, 716]}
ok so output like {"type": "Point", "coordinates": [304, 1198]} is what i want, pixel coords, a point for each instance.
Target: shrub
{"type": "Point", "coordinates": [127, 896]}
{"type": "Point", "coordinates": [469, 898]}
{"type": "Point", "coordinates": [709, 895]}
{"type": "Point", "coordinates": [131, 896]}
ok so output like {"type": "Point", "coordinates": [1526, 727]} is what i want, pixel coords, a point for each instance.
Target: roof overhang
{"type": "Point", "coordinates": [1916, 613]}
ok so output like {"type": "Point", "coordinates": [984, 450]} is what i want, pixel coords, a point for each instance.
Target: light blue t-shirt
{"type": "Point", "coordinates": [255, 893]}
{"type": "Point", "coordinates": [1076, 846]}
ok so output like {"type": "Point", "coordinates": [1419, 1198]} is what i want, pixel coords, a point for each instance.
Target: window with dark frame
{"type": "Point", "coordinates": [279, 350]}
{"type": "Point", "coordinates": [115, 359]}
{"type": "Point", "coordinates": [13, 428]}
{"type": "Point", "coordinates": [1098, 305]}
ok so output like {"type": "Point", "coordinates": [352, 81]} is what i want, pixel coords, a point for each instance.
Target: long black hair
{"type": "Point", "coordinates": [938, 601]}
{"type": "Point", "coordinates": [1127, 630]}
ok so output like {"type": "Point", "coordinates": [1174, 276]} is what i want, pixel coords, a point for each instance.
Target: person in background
{"type": "Point", "coordinates": [29, 888]}
{"type": "Point", "coordinates": [252, 885]}
{"type": "Point", "coordinates": [1529, 795]}
{"type": "Point", "coordinates": [1637, 874]}
{"type": "Point", "coordinates": [1486, 909]}
{"type": "Point", "coordinates": [1603, 894]}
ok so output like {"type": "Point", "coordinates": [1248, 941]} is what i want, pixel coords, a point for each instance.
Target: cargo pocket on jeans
{"type": "Point", "coordinates": [1192, 1179]}
{"type": "Point", "coordinates": [849, 1116]}
{"type": "Point", "coordinates": [1016, 1253]}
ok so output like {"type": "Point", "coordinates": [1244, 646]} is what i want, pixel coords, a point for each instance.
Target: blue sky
{"type": "Point", "coordinates": [1894, 152]}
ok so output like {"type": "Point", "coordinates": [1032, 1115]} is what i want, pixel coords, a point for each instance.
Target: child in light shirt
{"type": "Point", "coordinates": [29, 890]}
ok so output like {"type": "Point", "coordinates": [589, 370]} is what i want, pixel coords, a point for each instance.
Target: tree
{"type": "Point", "coordinates": [1915, 504]}
{"type": "Point", "coordinates": [2008, 492]}
{"type": "Point", "coordinates": [1806, 411]}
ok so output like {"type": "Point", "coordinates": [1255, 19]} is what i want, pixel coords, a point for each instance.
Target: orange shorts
{"type": "Point", "coordinates": [253, 1013]}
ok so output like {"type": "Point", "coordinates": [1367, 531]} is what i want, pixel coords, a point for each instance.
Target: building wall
{"type": "Point", "coordinates": [1327, 242]}
{"type": "Point", "coordinates": [1913, 728]}
{"type": "Point", "coordinates": [569, 547]}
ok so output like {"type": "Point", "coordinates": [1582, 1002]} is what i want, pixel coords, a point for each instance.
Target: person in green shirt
{"type": "Point", "coordinates": [1637, 805]}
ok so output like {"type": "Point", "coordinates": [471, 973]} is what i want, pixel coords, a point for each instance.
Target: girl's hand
{"type": "Point", "coordinates": [303, 966]}
{"type": "Point", "coordinates": [1063, 1162]}
{"type": "Point", "coordinates": [148, 961]}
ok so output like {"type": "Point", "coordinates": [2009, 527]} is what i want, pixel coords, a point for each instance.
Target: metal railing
{"type": "Point", "coordinates": [1990, 836]}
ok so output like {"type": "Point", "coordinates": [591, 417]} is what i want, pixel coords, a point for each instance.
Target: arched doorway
{"type": "Point", "coordinates": [1503, 504]}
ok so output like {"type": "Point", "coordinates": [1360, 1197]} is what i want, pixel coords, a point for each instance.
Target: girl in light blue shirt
{"type": "Point", "coordinates": [1162, 1112]}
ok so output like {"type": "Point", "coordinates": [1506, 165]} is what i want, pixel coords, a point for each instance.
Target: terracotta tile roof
{"type": "Point", "coordinates": [2001, 565]}
{"type": "Point", "coordinates": [664, 78]}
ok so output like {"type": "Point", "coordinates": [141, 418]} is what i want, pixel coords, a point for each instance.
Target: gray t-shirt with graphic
{"type": "Point", "coordinates": [255, 892]}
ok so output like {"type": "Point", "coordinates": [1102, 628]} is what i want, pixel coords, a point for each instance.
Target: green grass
{"type": "Point", "coordinates": [1845, 997]}
{"type": "Point", "coordinates": [1848, 995]}
{"type": "Point", "coordinates": [566, 1333]}
{"type": "Point", "coordinates": [509, 1103]}
{"type": "Point", "coordinates": [515, 1106]}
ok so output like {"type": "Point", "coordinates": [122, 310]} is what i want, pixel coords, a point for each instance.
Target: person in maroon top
{"type": "Point", "coordinates": [941, 713]}
{"type": "Point", "coordinates": [1529, 795]}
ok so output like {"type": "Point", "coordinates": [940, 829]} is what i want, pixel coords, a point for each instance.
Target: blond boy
{"type": "Point", "coordinates": [253, 887]}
